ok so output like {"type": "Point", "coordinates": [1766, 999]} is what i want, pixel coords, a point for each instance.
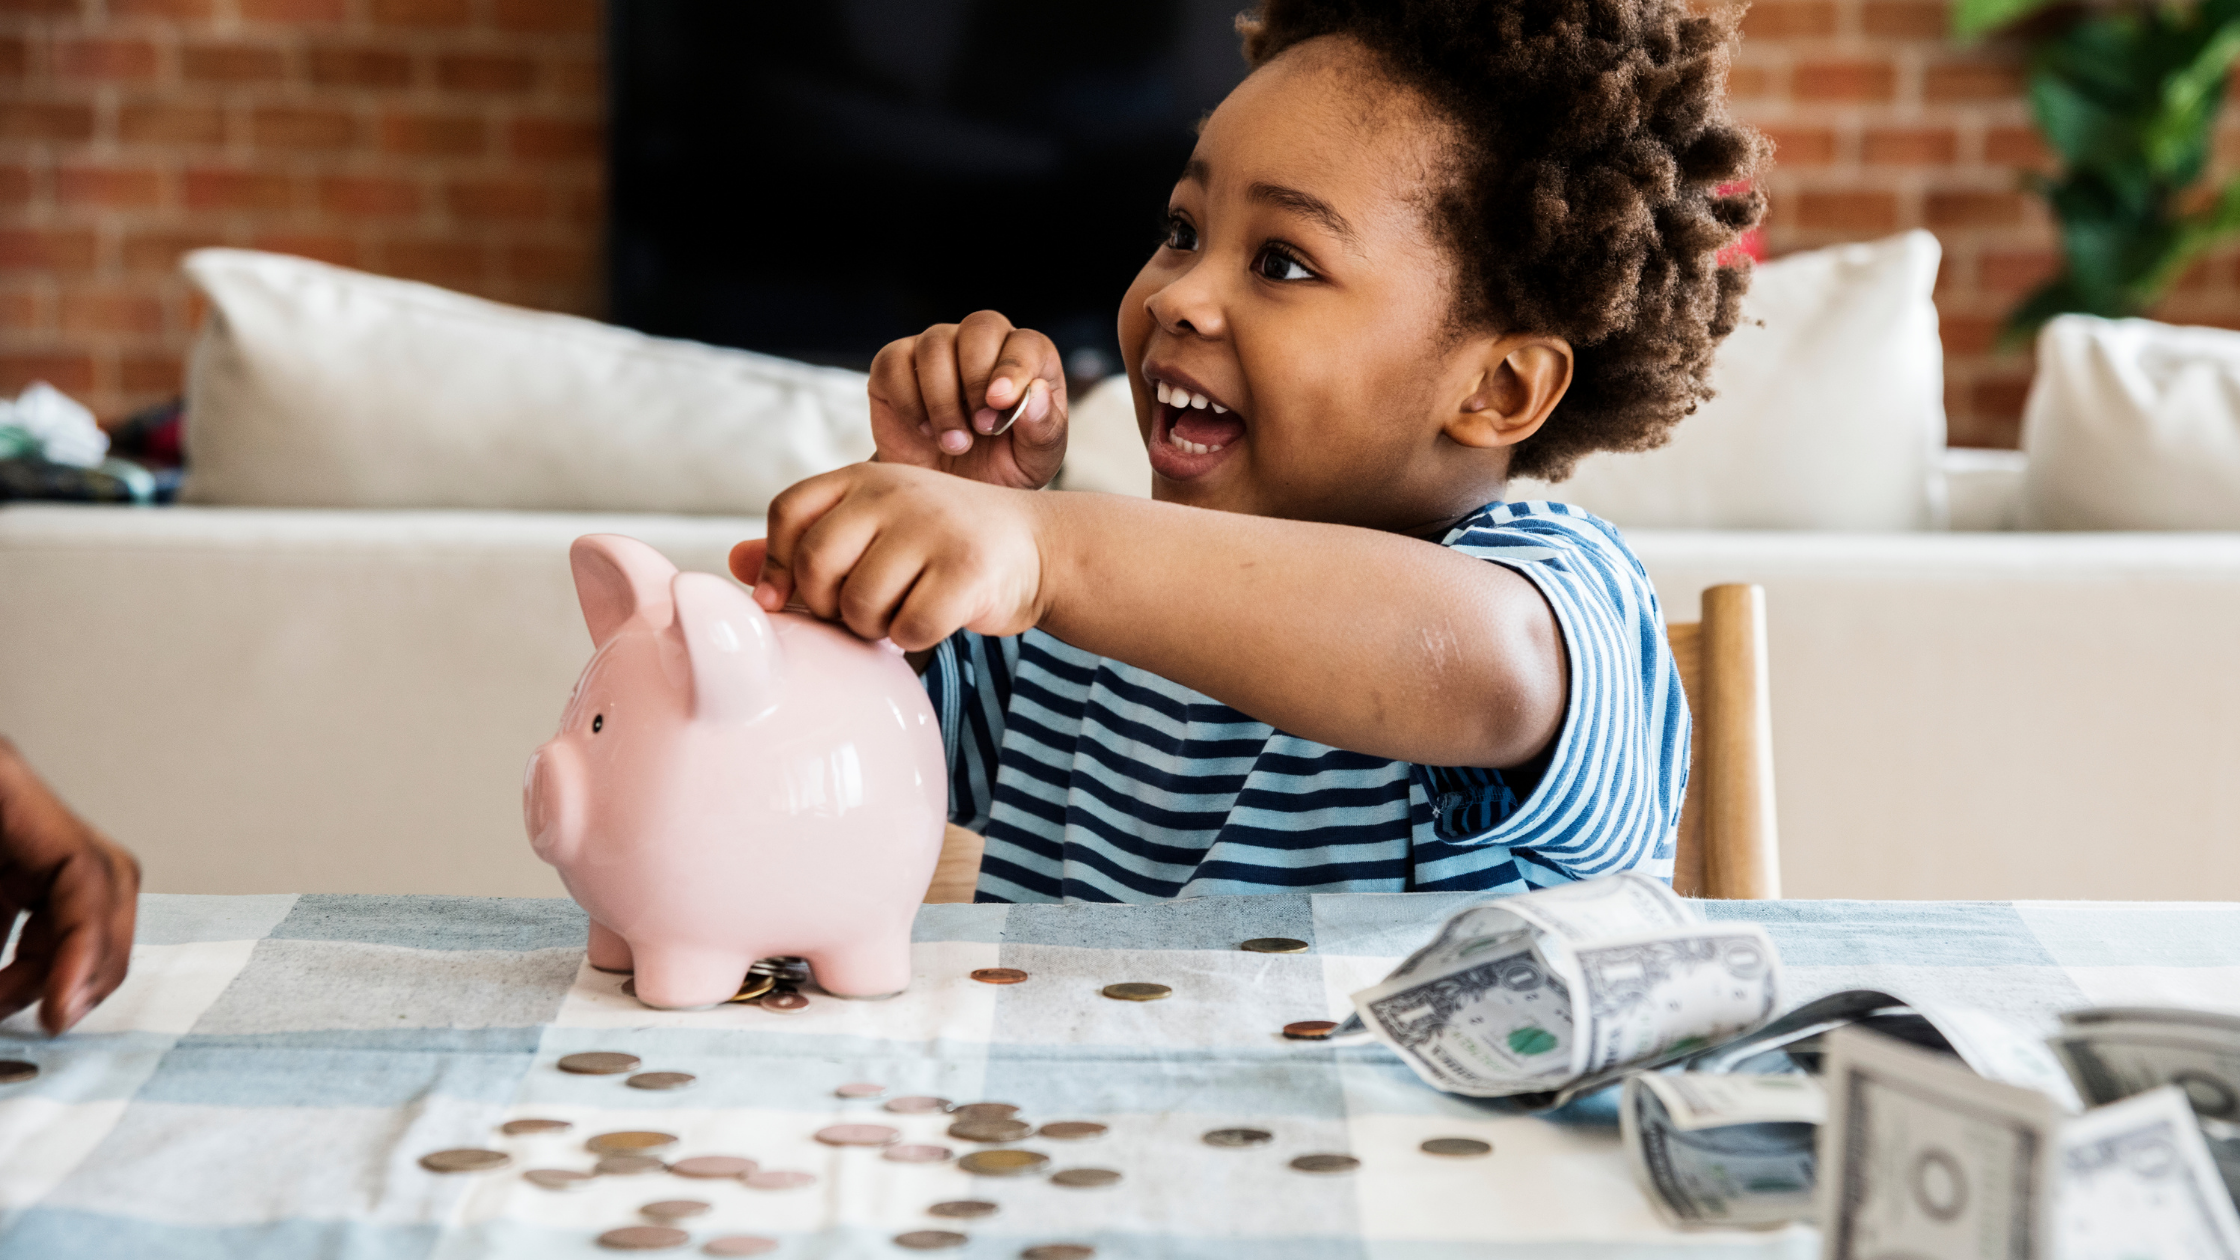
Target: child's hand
{"type": "Point", "coordinates": [82, 892]}
{"type": "Point", "coordinates": [900, 553]}
{"type": "Point", "coordinates": [935, 396]}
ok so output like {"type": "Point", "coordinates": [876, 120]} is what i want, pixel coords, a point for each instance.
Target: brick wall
{"type": "Point", "coordinates": [454, 141]}
{"type": "Point", "coordinates": [1882, 124]}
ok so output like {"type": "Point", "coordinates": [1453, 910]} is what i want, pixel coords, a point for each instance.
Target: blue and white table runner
{"type": "Point", "coordinates": [267, 1079]}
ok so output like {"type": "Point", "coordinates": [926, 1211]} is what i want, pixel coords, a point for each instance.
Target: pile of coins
{"type": "Point", "coordinates": [774, 984]}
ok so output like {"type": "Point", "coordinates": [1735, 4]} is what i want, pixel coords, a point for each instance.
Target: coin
{"type": "Point", "coordinates": [1310, 1029]}
{"type": "Point", "coordinates": [929, 1239]}
{"type": "Point", "coordinates": [1239, 1137]}
{"type": "Point", "coordinates": [778, 1179]}
{"type": "Point", "coordinates": [857, 1135]}
{"type": "Point", "coordinates": [917, 1105]}
{"type": "Point", "coordinates": [999, 975]}
{"type": "Point", "coordinates": [1003, 1163]}
{"type": "Point", "coordinates": [1457, 1148]}
{"type": "Point", "coordinates": [963, 1209]}
{"type": "Point", "coordinates": [1085, 1178]}
{"type": "Point", "coordinates": [629, 1142]}
{"type": "Point", "coordinates": [677, 1209]}
{"type": "Point", "coordinates": [739, 1245]}
{"type": "Point", "coordinates": [706, 1166]}
{"type": "Point", "coordinates": [859, 1089]}
{"type": "Point", "coordinates": [661, 1080]}
{"type": "Point", "coordinates": [516, 1128]}
{"type": "Point", "coordinates": [599, 1063]}
{"type": "Point", "coordinates": [1059, 1251]}
{"type": "Point", "coordinates": [465, 1159]}
{"type": "Point", "coordinates": [627, 1165]}
{"type": "Point", "coordinates": [1273, 945]}
{"type": "Point", "coordinates": [990, 1130]}
{"type": "Point", "coordinates": [788, 968]}
{"type": "Point", "coordinates": [1133, 992]}
{"type": "Point", "coordinates": [985, 1111]}
{"type": "Point", "coordinates": [1072, 1130]}
{"type": "Point", "coordinates": [1326, 1163]}
{"type": "Point", "coordinates": [753, 987]}
{"type": "Point", "coordinates": [630, 987]}
{"type": "Point", "coordinates": [558, 1178]}
{"type": "Point", "coordinates": [644, 1238]}
{"type": "Point", "coordinates": [784, 1003]}
{"type": "Point", "coordinates": [917, 1153]}
{"type": "Point", "coordinates": [16, 1071]}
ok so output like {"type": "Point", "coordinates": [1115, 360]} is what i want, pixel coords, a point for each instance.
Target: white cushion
{"type": "Point", "coordinates": [2133, 425]}
{"type": "Point", "coordinates": [316, 386]}
{"type": "Point", "coordinates": [1829, 414]}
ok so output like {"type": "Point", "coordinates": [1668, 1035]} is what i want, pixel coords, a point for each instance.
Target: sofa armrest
{"type": "Point", "coordinates": [1983, 488]}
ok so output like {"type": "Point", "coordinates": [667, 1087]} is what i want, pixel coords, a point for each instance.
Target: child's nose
{"type": "Point", "coordinates": [1187, 308]}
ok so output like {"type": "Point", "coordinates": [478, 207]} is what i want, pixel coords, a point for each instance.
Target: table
{"type": "Point", "coordinates": [265, 1082]}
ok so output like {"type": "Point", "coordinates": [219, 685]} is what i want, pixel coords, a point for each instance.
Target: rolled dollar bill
{"type": "Point", "coordinates": [2115, 1052]}
{"type": "Point", "coordinates": [1723, 1150]}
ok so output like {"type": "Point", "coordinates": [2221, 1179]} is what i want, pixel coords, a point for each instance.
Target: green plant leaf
{"type": "Point", "coordinates": [1971, 18]}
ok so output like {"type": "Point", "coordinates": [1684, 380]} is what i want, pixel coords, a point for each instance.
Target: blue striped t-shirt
{"type": "Point", "coordinates": [1097, 781]}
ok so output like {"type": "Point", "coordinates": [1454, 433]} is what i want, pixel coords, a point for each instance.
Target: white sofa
{"type": "Point", "coordinates": [265, 699]}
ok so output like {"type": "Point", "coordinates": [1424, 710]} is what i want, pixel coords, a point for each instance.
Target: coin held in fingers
{"type": "Point", "coordinates": [1135, 991]}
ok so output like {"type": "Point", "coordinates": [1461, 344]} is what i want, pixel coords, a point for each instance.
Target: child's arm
{"type": "Point", "coordinates": [936, 396]}
{"type": "Point", "coordinates": [1367, 641]}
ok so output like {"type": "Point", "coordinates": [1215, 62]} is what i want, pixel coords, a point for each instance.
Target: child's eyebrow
{"type": "Point", "coordinates": [1196, 171]}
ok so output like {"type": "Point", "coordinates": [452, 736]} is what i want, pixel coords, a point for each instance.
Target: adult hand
{"type": "Point", "coordinates": [936, 397]}
{"type": "Point", "coordinates": [82, 891]}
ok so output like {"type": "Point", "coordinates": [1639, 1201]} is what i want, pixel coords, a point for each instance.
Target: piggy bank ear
{"type": "Point", "coordinates": [618, 579]}
{"type": "Point", "coordinates": [733, 648]}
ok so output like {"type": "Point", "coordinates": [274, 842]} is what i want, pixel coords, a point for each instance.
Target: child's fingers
{"type": "Point", "coordinates": [877, 584]}
{"type": "Point", "coordinates": [933, 610]}
{"type": "Point", "coordinates": [827, 555]}
{"type": "Point", "coordinates": [1038, 439]}
{"type": "Point", "coordinates": [1026, 357]}
{"type": "Point", "coordinates": [899, 425]}
{"type": "Point", "coordinates": [795, 509]}
{"type": "Point", "coordinates": [981, 339]}
{"type": "Point", "coordinates": [746, 560]}
{"type": "Point", "coordinates": [941, 389]}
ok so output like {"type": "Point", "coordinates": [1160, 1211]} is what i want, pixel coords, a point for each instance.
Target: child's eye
{"type": "Point", "coordinates": [1278, 263]}
{"type": "Point", "coordinates": [1180, 234]}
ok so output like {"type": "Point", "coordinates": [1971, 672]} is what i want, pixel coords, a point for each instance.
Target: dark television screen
{"type": "Point", "coordinates": [818, 177]}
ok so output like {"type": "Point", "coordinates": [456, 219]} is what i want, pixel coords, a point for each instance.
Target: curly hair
{"type": "Point", "coordinates": [1591, 191]}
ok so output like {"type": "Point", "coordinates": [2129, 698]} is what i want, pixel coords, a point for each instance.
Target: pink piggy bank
{"type": "Point", "coordinates": [728, 785]}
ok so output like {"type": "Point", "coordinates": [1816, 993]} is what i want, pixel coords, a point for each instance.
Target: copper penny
{"type": "Point", "coordinates": [1326, 1163]}
{"type": "Point", "coordinates": [999, 975]}
{"type": "Point", "coordinates": [677, 1209]}
{"type": "Point", "coordinates": [984, 1111]}
{"type": "Point", "coordinates": [778, 1179]}
{"type": "Point", "coordinates": [1457, 1148]}
{"type": "Point", "coordinates": [629, 1142]}
{"type": "Point", "coordinates": [1071, 1130]}
{"type": "Point", "coordinates": [517, 1128]}
{"type": "Point", "coordinates": [558, 1178]}
{"type": "Point", "coordinates": [1310, 1029]}
{"type": "Point", "coordinates": [1085, 1178]}
{"type": "Point", "coordinates": [857, 1135]}
{"type": "Point", "coordinates": [784, 1003]}
{"type": "Point", "coordinates": [17, 1071]}
{"type": "Point", "coordinates": [599, 1063]}
{"type": "Point", "coordinates": [963, 1209]}
{"type": "Point", "coordinates": [712, 1166]}
{"type": "Point", "coordinates": [990, 1130]}
{"type": "Point", "coordinates": [1059, 1251]}
{"type": "Point", "coordinates": [644, 1238]}
{"type": "Point", "coordinates": [929, 1239]}
{"type": "Point", "coordinates": [860, 1089]}
{"type": "Point", "coordinates": [916, 1153]}
{"type": "Point", "coordinates": [465, 1160]}
{"type": "Point", "coordinates": [740, 1245]}
{"type": "Point", "coordinates": [917, 1105]}
{"type": "Point", "coordinates": [627, 1165]}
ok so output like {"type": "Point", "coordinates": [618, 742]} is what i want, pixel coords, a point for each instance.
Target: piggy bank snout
{"type": "Point", "coordinates": [552, 802]}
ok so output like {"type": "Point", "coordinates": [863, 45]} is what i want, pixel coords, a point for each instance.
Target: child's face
{"type": "Point", "coordinates": [1301, 289]}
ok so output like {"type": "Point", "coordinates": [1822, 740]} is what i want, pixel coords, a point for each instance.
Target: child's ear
{"type": "Point", "coordinates": [1515, 383]}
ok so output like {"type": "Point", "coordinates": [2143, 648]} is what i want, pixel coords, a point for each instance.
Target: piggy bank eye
{"type": "Point", "coordinates": [598, 722]}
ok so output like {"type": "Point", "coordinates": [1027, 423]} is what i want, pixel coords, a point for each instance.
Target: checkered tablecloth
{"type": "Point", "coordinates": [266, 1081]}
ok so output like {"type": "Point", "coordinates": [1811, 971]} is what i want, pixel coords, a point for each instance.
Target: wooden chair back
{"type": "Point", "coordinates": [1728, 845]}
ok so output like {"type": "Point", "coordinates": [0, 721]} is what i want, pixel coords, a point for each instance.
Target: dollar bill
{"type": "Point", "coordinates": [2113, 1053]}
{"type": "Point", "coordinates": [1723, 1150]}
{"type": "Point", "coordinates": [2136, 1181]}
{"type": "Point", "coordinates": [1562, 990]}
{"type": "Point", "coordinates": [1922, 1157]}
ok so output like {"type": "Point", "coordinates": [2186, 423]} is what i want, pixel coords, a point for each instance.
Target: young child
{"type": "Point", "coordinates": [1425, 246]}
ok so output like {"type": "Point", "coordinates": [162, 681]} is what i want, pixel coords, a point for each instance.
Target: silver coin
{"type": "Point", "coordinates": [858, 1135]}
{"type": "Point", "coordinates": [1326, 1163]}
{"type": "Point", "coordinates": [916, 1153]}
{"type": "Point", "coordinates": [778, 1179]}
{"type": "Point", "coordinates": [627, 1165]}
{"type": "Point", "coordinates": [1071, 1130]}
{"type": "Point", "coordinates": [711, 1166]}
{"type": "Point", "coordinates": [661, 1080]}
{"type": "Point", "coordinates": [739, 1245]}
{"type": "Point", "coordinates": [991, 1130]}
{"type": "Point", "coordinates": [1008, 1162]}
{"type": "Point", "coordinates": [1059, 1251]}
{"type": "Point", "coordinates": [629, 1142]}
{"type": "Point", "coordinates": [984, 1111]}
{"type": "Point", "coordinates": [558, 1178]}
{"type": "Point", "coordinates": [465, 1159]}
{"type": "Point", "coordinates": [599, 1063]}
{"type": "Point", "coordinates": [1239, 1137]}
{"type": "Point", "coordinates": [1457, 1148]}
{"type": "Point", "coordinates": [1274, 945]}
{"type": "Point", "coordinates": [963, 1209]}
{"type": "Point", "coordinates": [518, 1128]}
{"type": "Point", "coordinates": [17, 1071]}
{"type": "Point", "coordinates": [859, 1089]}
{"type": "Point", "coordinates": [644, 1238]}
{"type": "Point", "coordinates": [1085, 1178]}
{"type": "Point", "coordinates": [929, 1239]}
{"type": "Point", "coordinates": [784, 1003]}
{"type": "Point", "coordinates": [917, 1105]}
{"type": "Point", "coordinates": [676, 1209]}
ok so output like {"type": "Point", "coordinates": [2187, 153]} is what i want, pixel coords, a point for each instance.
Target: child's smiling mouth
{"type": "Point", "coordinates": [1191, 430]}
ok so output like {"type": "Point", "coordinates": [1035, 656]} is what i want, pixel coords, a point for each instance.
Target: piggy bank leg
{"type": "Point", "coordinates": [872, 967]}
{"type": "Point", "coordinates": [685, 978]}
{"type": "Point", "coordinates": [609, 952]}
